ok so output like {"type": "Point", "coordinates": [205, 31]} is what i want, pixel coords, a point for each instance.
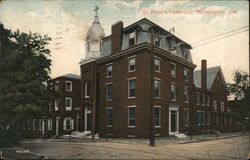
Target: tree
{"type": "Point", "coordinates": [24, 73]}
{"type": "Point", "coordinates": [240, 87]}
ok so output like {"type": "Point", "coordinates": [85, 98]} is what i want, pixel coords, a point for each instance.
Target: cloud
{"type": "Point", "coordinates": [122, 3]}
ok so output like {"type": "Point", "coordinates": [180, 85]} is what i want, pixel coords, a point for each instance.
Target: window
{"type": "Point", "coordinates": [109, 91]}
{"type": "Point", "coordinates": [109, 70]}
{"type": "Point", "coordinates": [217, 119]}
{"type": "Point", "coordinates": [131, 88]}
{"type": "Point", "coordinates": [173, 92]}
{"type": "Point", "coordinates": [109, 117]}
{"type": "Point", "coordinates": [222, 106]}
{"type": "Point", "coordinates": [186, 74]}
{"type": "Point", "coordinates": [49, 124]}
{"type": "Point", "coordinates": [203, 118]}
{"type": "Point", "coordinates": [173, 50]}
{"type": "Point", "coordinates": [68, 86]}
{"type": "Point", "coordinates": [157, 41]}
{"type": "Point", "coordinates": [186, 117]}
{"type": "Point", "coordinates": [57, 86]}
{"type": "Point", "coordinates": [203, 99]}
{"type": "Point", "coordinates": [157, 88]}
{"type": "Point", "coordinates": [157, 64]}
{"type": "Point", "coordinates": [34, 124]}
{"type": "Point", "coordinates": [215, 105]}
{"type": "Point", "coordinates": [87, 89]}
{"type": "Point", "coordinates": [208, 118]}
{"type": "Point", "coordinates": [173, 70]}
{"type": "Point", "coordinates": [198, 98]}
{"type": "Point", "coordinates": [198, 116]}
{"type": "Point", "coordinates": [68, 124]}
{"type": "Point", "coordinates": [131, 64]}
{"type": "Point", "coordinates": [40, 124]}
{"type": "Point", "coordinates": [56, 105]}
{"type": "Point", "coordinates": [186, 53]}
{"type": "Point", "coordinates": [132, 38]}
{"type": "Point", "coordinates": [208, 99]}
{"type": "Point", "coordinates": [131, 116]}
{"type": "Point", "coordinates": [186, 96]}
{"type": "Point", "coordinates": [157, 116]}
{"type": "Point", "coordinates": [68, 104]}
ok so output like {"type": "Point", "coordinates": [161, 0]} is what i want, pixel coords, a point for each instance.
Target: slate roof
{"type": "Point", "coordinates": [211, 75]}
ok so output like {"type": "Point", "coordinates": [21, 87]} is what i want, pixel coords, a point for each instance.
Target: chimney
{"type": "Point", "coordinates": [116, 37]}
{"type": "Point", "coordinates": [203, 74]}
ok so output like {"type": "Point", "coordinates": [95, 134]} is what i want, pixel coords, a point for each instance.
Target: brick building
{"type": "Point", "coordinates": [121, 80]}
{"type": "Point", "coordinates": [138, 70]}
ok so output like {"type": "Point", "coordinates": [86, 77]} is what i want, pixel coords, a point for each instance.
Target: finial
{"type": "Point", "coordinates": [96, 9]}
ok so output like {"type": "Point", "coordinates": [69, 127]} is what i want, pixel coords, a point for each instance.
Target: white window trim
{"type": "Point", "coordinates": [197, 97]}
{"type": "Point", "coordinates": [203, 99]}
{"type": "Point", "coordinates": [86, 89]}
{"type": "Point", "coordinates": [129, 58]}
{"type": "Point", "coordinates": [108, 65]}
{"type": "Point", "coordinates": [107, 91]}
{"type": "Point", "coordinates": [129, 79]}
{"type": "Point", "coordinates": [135, 37]}
{"type": "Point", "coordinates": [159, 71]}
{"type": "Point", "coordinates": [199, 118]}
{"type": "Point", "coordinates": [50, 123]}
{"type": "Point", "coordinates": [70, 90]}
{"type": "Point", "coordinates": [208, 100]}
{"type": "Point", "coordinates": [34, 124]}
{"type": "Point", "coordinates": [187, 90]}
{"type": "Point", "coordinates": [108, 108]}
{"type": "Point", "coordinates": [187, 70]}
{"type": "Point", "coordinates": [65, 124]}
{"type": "Point", "coordinates": [68, 108]}
{"type": "Point", "coordinates": [157, 79]}
{"type": "Point", "coordinates": [133, 106]}
{"type": "Point", "coordinates": [57, 84]}
{"type": "Point", "coordinates": [171, 70]}
{"type": "Point", "coordinates": [56, 105]}
{"type": "Point", "coordinates": [208, 118]}
{"type": "Point", "coordinates": [159, 126]}
{"type": "Point", "coordinates": [171, 91]}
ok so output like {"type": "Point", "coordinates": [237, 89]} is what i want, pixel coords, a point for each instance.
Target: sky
{"type": "Point", "coordinates": [217, 30]}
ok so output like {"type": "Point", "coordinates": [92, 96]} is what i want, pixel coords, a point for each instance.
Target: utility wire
{"type": "Point", "coordinates": [218, 35]}
{"type": "Point", "coordinates": [219, 38]}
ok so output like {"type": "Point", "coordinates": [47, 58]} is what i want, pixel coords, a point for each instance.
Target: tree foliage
{"type": "Point", "coordinates": [24, 72]}
{"type": "Point", "coordinates": [240, 86]}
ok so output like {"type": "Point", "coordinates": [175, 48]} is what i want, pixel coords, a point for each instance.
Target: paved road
{"type": "Point", "coordinates": [230, 148]}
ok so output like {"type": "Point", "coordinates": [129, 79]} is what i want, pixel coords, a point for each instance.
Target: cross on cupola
{"type": "Point", "coordinates": [96, 9]}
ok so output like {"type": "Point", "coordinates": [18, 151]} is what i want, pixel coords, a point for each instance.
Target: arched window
{"type": "Point", "coordinates": [87, 89]}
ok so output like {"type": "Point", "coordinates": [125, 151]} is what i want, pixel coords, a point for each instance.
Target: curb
{"type": "Point", "coordinates": [209, 139]}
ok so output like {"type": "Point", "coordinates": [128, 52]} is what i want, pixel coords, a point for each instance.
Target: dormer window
{"type": "Point", "coordinates": [186, 53]}
{"type": "Point", "coordinates": [173, 50]}
{"type": "Point", "coordinates": [131, 38]}
{"type": "Point", "coordinates": [157, 41]}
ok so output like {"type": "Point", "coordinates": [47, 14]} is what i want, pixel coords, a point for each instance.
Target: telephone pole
{"type": "Point", "coordinates": [151, 104]}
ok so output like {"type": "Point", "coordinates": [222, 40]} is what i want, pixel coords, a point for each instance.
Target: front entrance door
{"type": "Point", "coordinates": [88, 122]}
{"type": "Point", "coordinates": [173, 120]}
{"type": "Point", "coordinates": [87, 118]}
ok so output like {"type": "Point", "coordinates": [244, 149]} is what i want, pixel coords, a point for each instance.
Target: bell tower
{"type": "Point", "coordinates": [94, 37]}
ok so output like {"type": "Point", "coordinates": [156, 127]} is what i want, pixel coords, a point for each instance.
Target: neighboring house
{"type": "Point", "coordinates": [212, 111]}
{"type": "Point", "coordinates": [64, 112]}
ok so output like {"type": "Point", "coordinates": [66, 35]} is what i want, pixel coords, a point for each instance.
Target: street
{"type": "Point", "coordinates": [229, 148]}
